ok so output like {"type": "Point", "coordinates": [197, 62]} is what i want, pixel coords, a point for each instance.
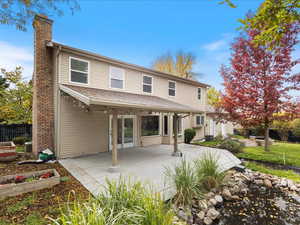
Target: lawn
{"type": "Point", "coordinates": [280, 153]}
{"type": "Point", "coordinates": [289, 174]}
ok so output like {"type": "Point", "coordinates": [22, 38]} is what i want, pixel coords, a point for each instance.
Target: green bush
{"type": "Point", "coordinates": [231, 145]}
{"type": "Point", "coordinates": [184, 178]}
{"type": "Point", "coordinates": [219, 137]}
{"type": "Point", "coordinates": [208, 172]}
{"type": "Point", "coordinates": [296, 127]}
{"type": "Point", "coordinates": [189, 134]}
{"type": "Point", "coordinates": [122, 202]}
{"type": "Point", "coordinates": [20, 140]}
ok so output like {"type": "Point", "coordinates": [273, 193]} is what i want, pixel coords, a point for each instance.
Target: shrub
{"type": "Point", "coordinates": [185, 180]}
{"type": "Point", "coordinates": [208, 171]}
{"type": "Point", "coordinates": [296, 127]}
{"type": "Point", "coordinates": [189, 134]}
{"type": "Point", "coordinates": [231, 145]}
{"type": "Point", "coordinates": [20, 140]}
{"type": "Point", "coordinates": [219, 137]}
{"type": "Point", "coordinates": [122, 202]}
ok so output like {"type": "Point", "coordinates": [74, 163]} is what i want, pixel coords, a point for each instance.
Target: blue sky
{"type": "Point", "coordinates": [137, 31]}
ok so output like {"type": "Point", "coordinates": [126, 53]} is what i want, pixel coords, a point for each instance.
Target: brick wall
{"type": "Point", "coordinates": [43, 86]}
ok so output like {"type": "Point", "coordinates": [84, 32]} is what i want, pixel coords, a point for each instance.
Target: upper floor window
{"type": "Point", "coordinates": [172, 88]}
{"type": "Point", "coordinates": [199, 93]}
{"type": "Point", "coordinates": [147, 84]}
{"type": "Point", "coordinates": [199, 120]}
{"type": "Point", "coordinates": [116, 77]}
{"type": "Point", "coordinates": [79, 70]}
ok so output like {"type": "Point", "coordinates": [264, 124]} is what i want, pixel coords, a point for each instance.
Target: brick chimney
{"type": "Point", "coordinates": [43, 87]}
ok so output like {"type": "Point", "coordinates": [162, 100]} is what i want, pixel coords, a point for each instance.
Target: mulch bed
{"type": "Point", "coordinates": [46, 202]}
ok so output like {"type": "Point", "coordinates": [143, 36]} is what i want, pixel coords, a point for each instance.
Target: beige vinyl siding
{"type": "Point", "coordinates": [99, 78]}
{"type": "Point", "coordinates": [82, 133]}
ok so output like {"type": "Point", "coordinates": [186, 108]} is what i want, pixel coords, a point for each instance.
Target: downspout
{"type": "Point", "coordinates": [57, 120]}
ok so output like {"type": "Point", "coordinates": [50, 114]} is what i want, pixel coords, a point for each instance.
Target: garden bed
{"type": "Point", "coordinates": [12, 185]}
{"type": "Point", "coordinates": [34, 207]}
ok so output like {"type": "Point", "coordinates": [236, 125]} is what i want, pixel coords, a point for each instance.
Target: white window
{"type": "Point", "coordinates": [199, 93]}
{"type": "Point", "coordinates": [179, 125]}
{"type": "Point", "coordinates": [116, 77]}
{"type": "Point", "coordinates": [172, 88]}
{"type": "Point", "coordinates": [79, 70]}
{"type": "Point", "coordinates": [199, 120]}
{"type": "Point", "coordinates": [147, 84]}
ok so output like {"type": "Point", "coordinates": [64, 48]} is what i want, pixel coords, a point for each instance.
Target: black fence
{"type": "Point", "coordinates": [9, 132]}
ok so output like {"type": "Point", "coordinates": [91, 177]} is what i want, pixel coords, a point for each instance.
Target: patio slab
{"type": "Point", "coordinates": [142, 163]}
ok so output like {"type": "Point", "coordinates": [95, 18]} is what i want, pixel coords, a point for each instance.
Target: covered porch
{"type": "Point", "coordinates": [113, 104]}
{"type": "Point", "coordinates": [143, 163]}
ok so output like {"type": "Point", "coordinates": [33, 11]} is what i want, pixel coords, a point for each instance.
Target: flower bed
{"type": "Point", "coordinates": [7, 151]}
{"type": "Point", "coordinates": [13, 185]}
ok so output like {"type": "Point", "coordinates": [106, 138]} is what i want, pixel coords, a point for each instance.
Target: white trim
{"type": "Point", "coordinates": [88, 72]}
{"type": "Point", "coordinates": [75, 94]}
{"type": "Point", "coordinates": [172, 88]}
{"type": "Point", "coordinates": [152, 81]}
{"type": "Point", "coordinates": [123, 78]}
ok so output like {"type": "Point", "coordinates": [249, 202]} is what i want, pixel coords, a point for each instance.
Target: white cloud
{"type": "Point", "coordinates": [12, 56]}
{"type": "Point", "coordinates": [214, 46]}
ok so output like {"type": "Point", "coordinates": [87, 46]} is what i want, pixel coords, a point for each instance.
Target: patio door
{"type": "Point", "coordinates": [125, 132]}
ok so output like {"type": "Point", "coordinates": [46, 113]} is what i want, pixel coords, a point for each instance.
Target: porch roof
{"type": "Point", "coordinates": [117, 99]}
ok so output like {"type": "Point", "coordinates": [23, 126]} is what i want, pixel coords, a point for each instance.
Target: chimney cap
{"type": "Point", "coordinates": [43, 18]}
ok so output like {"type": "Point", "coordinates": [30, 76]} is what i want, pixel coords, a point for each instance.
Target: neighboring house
{"type": "Point", "coordinates": [86, 103]}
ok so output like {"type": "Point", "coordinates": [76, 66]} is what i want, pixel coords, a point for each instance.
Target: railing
{"type": "Point", "coordinates": [9, 132]}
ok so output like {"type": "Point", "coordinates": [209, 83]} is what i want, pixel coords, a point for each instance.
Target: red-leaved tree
{"type": "Point", "coordinates": [259, 81]}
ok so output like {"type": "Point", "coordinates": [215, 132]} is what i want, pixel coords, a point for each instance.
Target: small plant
{"type": "Point", "coordinates": [20, 140]}
{"type": "Point", "coordinates": [208, 171]}
{"type": "Point", "coordinates": [231, 145]}
{"type": "Point", "coordinates": [189, 135]}
{"type": "Point", "coordinates": [185, 180]}
{"type": "Point", "coordinates": [219, 137]}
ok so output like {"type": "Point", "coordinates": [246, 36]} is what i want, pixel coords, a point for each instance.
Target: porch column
{"type": "Point", "coordinates": [176, 152]}
{"type": "Point", "coordinates": [115, 166]}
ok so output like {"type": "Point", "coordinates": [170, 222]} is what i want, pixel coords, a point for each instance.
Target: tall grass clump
{"type": "Point", "coordinates": [208, 171]}
{"type": "Point", "coordinates": [185, 180]}
{"type": "Point", "coordinates": [122, 202]}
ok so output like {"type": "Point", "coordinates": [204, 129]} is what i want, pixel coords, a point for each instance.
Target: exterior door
{"type": "Point", "coordinates": [125, 132]}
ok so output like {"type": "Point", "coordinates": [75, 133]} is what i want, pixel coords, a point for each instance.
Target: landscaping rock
{"type": "Point", "coordinates": [212, 213]}
{"type": "Point", "coordinates": [207, 221]}
{"type": "Point", "coordinates": [201, 215]}
{"type": "Point", "coordinates": [226, 194]}
{"type": "Point", "coordinates": [219, 198]}
{"type": "Point", "coordinates": [213, 202]}
{"type": "Point", "coordinates": [267, 183]}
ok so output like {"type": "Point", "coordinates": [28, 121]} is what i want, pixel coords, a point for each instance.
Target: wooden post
{"type": "Point", "coordinates": [176, 152]}
{"type": "Point", "coordinates": [114, 167]}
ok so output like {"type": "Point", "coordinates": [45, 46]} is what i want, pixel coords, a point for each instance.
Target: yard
{"type": "Point", "coordinates": [280, 153]}
{"type": "Point", "coordinates": [33, 208]}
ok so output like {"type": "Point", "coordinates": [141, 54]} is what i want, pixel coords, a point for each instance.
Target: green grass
{"type": "Point", "coordinates": [34, 219]}
{"type": "Point", "coordinates": [289, 174]}
{"type": "Point", "coordinates": [19, 206]}
{"type": "Point", "coordinates": [20, 148]}
{"type": "Point", "coordinates": [237, 136]}
{"type": "Point", "coordinates": [280, 153]}
{"type": "Point", "coordinates": [213, 143]}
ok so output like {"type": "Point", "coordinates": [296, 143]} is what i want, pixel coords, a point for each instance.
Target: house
{"type": "Point", "coordinates": [85, 103]}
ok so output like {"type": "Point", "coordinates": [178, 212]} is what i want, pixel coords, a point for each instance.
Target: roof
{"type": "Point", "coordinates": [124, 64]}
{"type": "Point", "coordinates": [116, 99]}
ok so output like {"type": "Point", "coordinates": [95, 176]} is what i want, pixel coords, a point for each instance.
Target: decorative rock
{"type": "Point", "coordinates": [235, 197]}
{"type": "Point", "coordinates": [182, 215]}
{"type": "Point", "coordinates": [293, 188]}
{"type": "Point", "coordinates": [267, 183]}
{"type": "Point", "coordinates": [226, 194]}
{"type": "Point", "coordinates": [219, 198]}
{"type": "Point", "coordinates": [201, 215]}
{"type": "Point", "coordinates": [207, 221]}
{"type": "Point", "coordinates": [209, 195]}
{"type": "Point", "coordinates": [203, 204]}
{"type": "Point", "coordinates": [283, 183]}
{"type": "Point", "coordinates": [213, 201]}
{"type": "Point", "coordinates": [258, 182]}
{"type": "Point", "coordinates": [212, 213]}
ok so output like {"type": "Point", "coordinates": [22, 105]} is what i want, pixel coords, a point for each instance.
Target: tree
{"type": "Point", "coordinates": [259, 81]}
{"type": "Point", "coordinates": [16, 102]}
{"type": "Point", "coordinates": [296, 127]}
{"type": "Point", "coordinates": [20, 12]}
{"type": "Point", "coordinates": [181, 64]}
{"type": "Point", "coordinates": [3, 85]}
{"type": "Point", "coordinates": [272, 18]}
{"type": "Point", "coordinates": [213, 97]}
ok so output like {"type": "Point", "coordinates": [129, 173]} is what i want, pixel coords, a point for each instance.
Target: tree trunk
{"type": "Point", "coordinates": [267, 149]}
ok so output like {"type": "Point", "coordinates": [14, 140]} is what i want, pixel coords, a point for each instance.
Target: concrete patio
{"type": "Point", "coordinates": [143, 163]}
